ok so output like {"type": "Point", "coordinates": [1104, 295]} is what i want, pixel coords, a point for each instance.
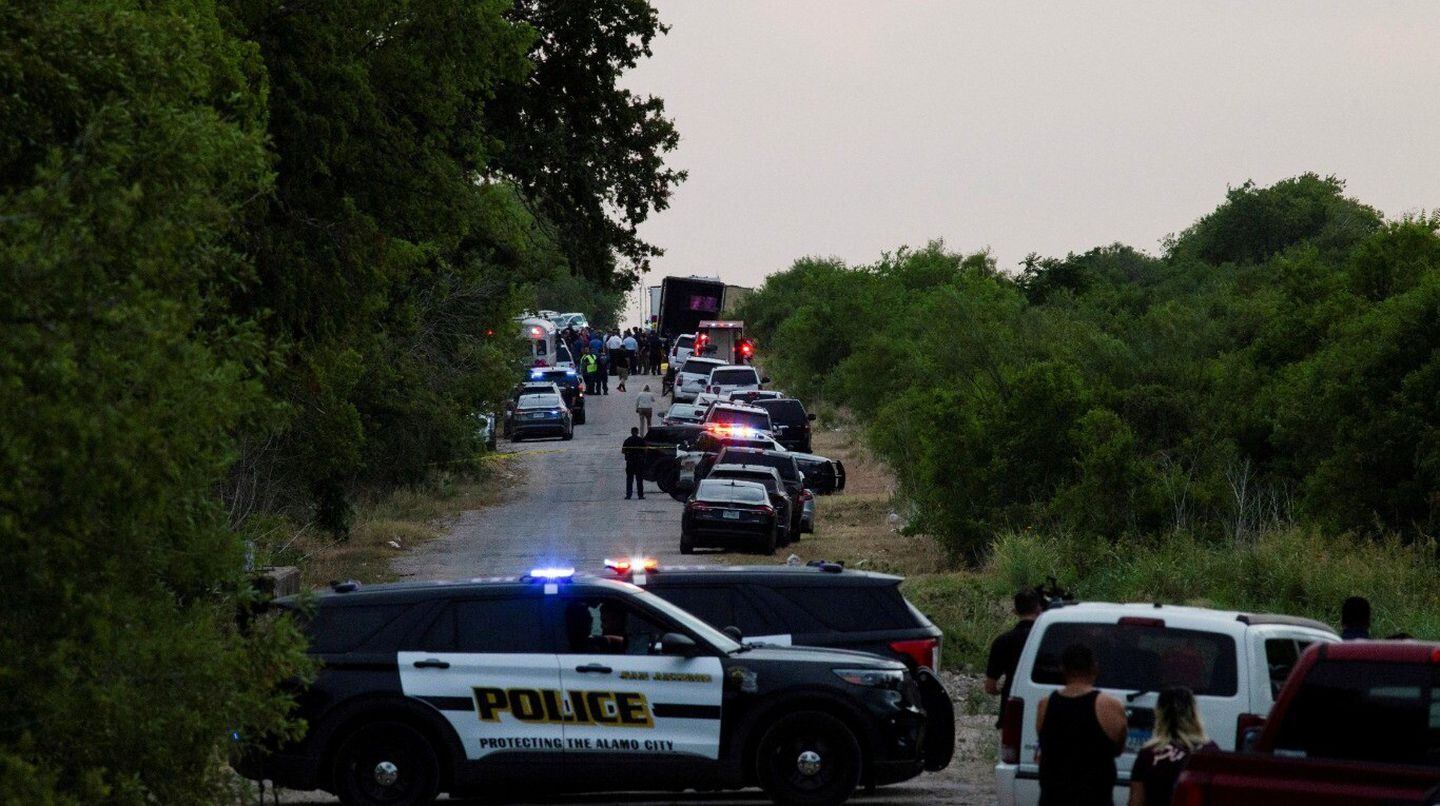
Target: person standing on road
{"type": "Point", "coordinates": [1081, 731]}
{"type": "Point", "coordinates": [622, 367]}
{"type": "Point", "coordinates": [632, 349]}
{"type": "Point", "coordinates": [590, 368]}
{"type": "Point", "coordinates": [634, 451]}
{"type": "Point", "coordinates": [1005, 649]}
{"type": "Point", "coordinates": [645, 408]}
{"type": "Point", "coordinates": [1179, 732]}
{"type": "Point", "coordinates": [657, 353]}
{"type": "Point", "coordinates": [1355, 619]}
{"type": "Point", "coordinates": [602, 378]}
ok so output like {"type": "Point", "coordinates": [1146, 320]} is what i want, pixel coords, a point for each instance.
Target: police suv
{"type": "Point", "coordinates": [556, 682]}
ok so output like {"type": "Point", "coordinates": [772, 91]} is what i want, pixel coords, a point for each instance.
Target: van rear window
{"type": "Point", "coordinates": [1138, 657]}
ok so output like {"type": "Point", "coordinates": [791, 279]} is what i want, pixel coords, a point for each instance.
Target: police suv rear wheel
{"type": "Point", "coordinates": [386, 764]}
{"type": "Point", "coordinates": [687, 544]}
{"type": "Point", "coordinates": [808, 758]}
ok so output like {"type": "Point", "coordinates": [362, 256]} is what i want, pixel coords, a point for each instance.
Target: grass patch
{"type": "Point", "coordinates": [1291, 571]}
{"type": "Point", "coordinates": [385, 526]}
{"type": "Point", "coordinates": [1296, 572]}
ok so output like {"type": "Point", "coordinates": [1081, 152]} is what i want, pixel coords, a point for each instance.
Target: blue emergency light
{"type": "Point", "coordinates": [552, 573]}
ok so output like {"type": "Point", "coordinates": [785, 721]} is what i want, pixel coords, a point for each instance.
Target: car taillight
{"type": "Point", "coordinates": [924, 651]}
{"type": "Point", "coordinates": [1012, 725]}
{"type": "Point", "coordinates": [1244, 724]}
{"type": "Point", "coordinates": [696, 506]}
{"type": "Point", "coordinates": [806, 495]}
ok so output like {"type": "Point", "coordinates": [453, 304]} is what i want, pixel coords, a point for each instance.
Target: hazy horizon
{"type": "Point", "coordinates": [847, 128]}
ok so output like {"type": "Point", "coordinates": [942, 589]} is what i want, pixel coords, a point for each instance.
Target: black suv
{"type": "Point", "coordinates": [790, 472]}
{"type": "Point", "coordinates": [822, 604]}
{"type": "Point", "coordinates": [558, 683]}
{"type": "Point", "coordinates": [791, 422]}
{"type": "Point", "coordinates": [572, 388]}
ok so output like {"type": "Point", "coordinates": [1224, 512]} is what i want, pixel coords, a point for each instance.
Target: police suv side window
{"type": "Point", "coordinates": [344, 628]}
{"type": "Point", "coordinates": [602, 625]}
{"type": "Point", "coordinates": [486, 625]}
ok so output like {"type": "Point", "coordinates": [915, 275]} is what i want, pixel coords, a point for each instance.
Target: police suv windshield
{"type": "Point", "coordinates": [720, 640]}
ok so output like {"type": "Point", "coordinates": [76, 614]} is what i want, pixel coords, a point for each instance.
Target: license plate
{"type": "Point", "coordinates": [731, 514]}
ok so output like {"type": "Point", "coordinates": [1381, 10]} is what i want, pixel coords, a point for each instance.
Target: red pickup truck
{"type": "Point", "coordinates": [1357, 723]}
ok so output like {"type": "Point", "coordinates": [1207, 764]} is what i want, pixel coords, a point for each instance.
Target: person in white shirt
{"type": "Point", "coordinates": [613, 343]}
{"type": "Point", "coordinates": [645, 407]}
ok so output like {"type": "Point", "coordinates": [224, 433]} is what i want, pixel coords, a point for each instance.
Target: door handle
{"type": "Point", "coordinates": [594, 668]}
{"type": "Point", "coordinates": [431, 663]}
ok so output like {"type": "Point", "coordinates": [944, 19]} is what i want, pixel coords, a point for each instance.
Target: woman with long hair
{"type": "Point", "coordinates": [1179, 732]}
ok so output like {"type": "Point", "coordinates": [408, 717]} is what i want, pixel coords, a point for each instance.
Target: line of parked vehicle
{"type": "Point", "coordinates": [738, 455]}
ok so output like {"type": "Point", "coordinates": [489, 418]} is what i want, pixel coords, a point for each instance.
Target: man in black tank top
{"type": "Point", "coordinates": [1081, 732]}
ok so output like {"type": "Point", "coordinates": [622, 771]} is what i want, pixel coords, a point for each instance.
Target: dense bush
{"type": "Point", "coordinates": [250, 252]}
{"type": "Point", "coordinates": [1277, 365]}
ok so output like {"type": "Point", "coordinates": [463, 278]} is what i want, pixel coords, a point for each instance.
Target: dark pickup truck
{"type": "Point", "coordinates": [1356, 724]}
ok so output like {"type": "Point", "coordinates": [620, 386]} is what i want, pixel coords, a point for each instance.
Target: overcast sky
{"type": "Point", "coordinates": [848, 128]}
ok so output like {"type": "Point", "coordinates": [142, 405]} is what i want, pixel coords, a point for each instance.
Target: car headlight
{"type": "Point", "coordinates": [872, 678]}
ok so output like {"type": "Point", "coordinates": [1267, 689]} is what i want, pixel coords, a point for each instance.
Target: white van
{"type": "Point", "coordinates": [694, 374]}
{"type": "Point", "coordinates": [681, 349]}
{"type": "Point", "coordinates": [540, 333]}
{"type": "Point", "coordinates": [1234, 662]}
{"type": "Point", "coordinates": [730, 378]}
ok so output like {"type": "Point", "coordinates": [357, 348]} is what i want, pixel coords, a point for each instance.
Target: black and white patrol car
{"type": "Point", "coordinates": [561, 683]}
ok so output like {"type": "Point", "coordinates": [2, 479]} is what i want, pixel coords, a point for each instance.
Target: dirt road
{"type": "Point", "coordinates": [570, 508]}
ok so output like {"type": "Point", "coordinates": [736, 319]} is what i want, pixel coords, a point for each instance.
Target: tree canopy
{"type": "Point", "coordinates": [1278, 365]}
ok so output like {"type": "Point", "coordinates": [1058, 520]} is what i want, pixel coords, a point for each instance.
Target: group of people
{"type": "Point", "coordinates": [1082, 729]}
{"type": "Point", "coordinates": [598, 353]}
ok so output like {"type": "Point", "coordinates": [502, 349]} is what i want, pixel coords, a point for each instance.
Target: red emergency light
{"type": "Point", "coordinates": [747, 349]}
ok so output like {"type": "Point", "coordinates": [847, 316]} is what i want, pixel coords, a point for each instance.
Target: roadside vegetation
{"type": "Point", "coordinates": [1250, 419]}
{"type": "Point", "coordinates": [260, 263]}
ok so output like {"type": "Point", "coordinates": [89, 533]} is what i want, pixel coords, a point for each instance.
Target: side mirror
{"type": "Point", "coordinates": [674, 643]}
{"type": "Point", "coordinates": [1249, 738]}
{"type": "Point", "coordinates": [810, 417]}
{"type": "Point", "coordinates": [734, 634]}
{"type": "Point", "coordinates": [765, 379]}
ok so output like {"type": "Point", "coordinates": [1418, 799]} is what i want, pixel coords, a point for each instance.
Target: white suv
{"type": "Point", "coordinates": [1234, 662]}
{"type": "Point", "coordinates": [730, 378]}
{"type": "Point", "coordinates": [681, 349]}
{"type": "Point", "coordinates": [692, 377]}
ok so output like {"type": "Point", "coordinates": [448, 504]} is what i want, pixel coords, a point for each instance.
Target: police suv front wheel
{"type": "Point", "coordinates": [808, 758]}
{"type": "Point", "coordinates": [386, 764]}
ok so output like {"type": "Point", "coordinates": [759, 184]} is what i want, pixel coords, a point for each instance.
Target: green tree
{"type": "Point", "coordinates": [133, 146]}
{"type": "Point", "coordinates": [586, 152]}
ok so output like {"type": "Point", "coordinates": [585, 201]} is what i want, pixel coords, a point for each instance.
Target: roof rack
{"type": "Point", "coordinates": [1256, 619]}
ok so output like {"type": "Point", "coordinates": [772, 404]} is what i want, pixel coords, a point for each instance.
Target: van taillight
{"type": "Point", "coordinates": [1244, 724]}
{"type": "Point", "coordinates": [1012, 725]}
{"type": "Point", "coordinates": [924, 651]}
